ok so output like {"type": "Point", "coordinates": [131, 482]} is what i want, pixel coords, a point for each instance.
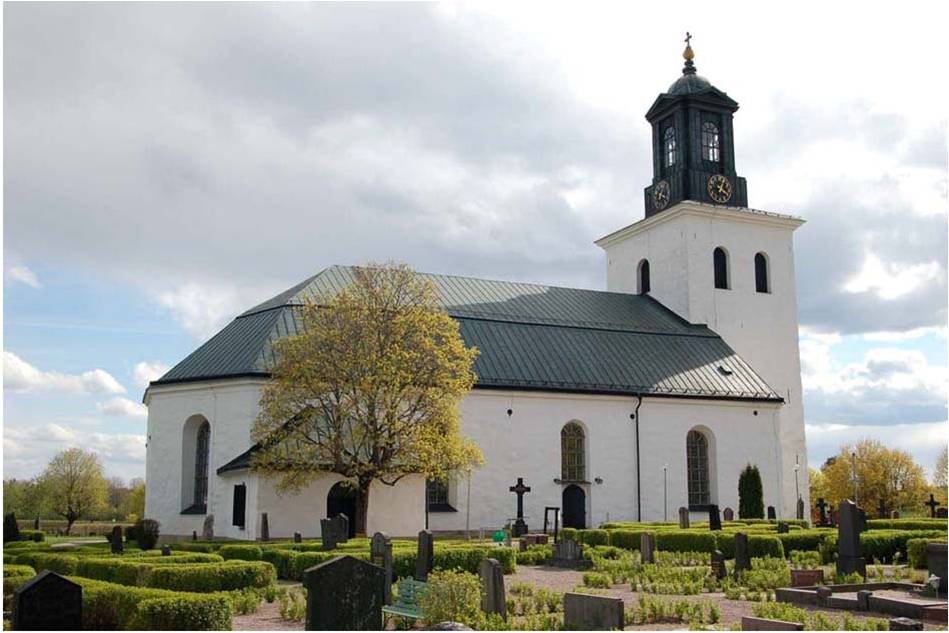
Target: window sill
{"type": "Point", "coordinates": [570, 482]}
{"type": "Point", "coordinates": [699, 507]}
{"type": "Point", "coordinates": [196, 509]}
{"type": "Point", "coordinates": [441, 507]}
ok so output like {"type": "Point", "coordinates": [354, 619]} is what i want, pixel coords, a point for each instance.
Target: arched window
{"type": "Point", "coordinates": [643, 281]}
{"type": "Point", "coordinates": [696, 445]}
{"type": "Point", "coordinates": [720, 262]}
{"type": "Point", "coordinates": [761, 273]}
{"type": "Point", "coordinates": [573, 462]}
{"type": "Point", "coordinates": [710, 144]}
{"type": "Point", "coordinates": [201, 461]}
{"type": "Point", "coordinates": [669, 145]}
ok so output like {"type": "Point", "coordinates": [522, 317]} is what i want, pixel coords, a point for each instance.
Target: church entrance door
{"type": "Point", "coordinates": [574, 507]}
{"type": "Point", "coordinates": [342, 500]}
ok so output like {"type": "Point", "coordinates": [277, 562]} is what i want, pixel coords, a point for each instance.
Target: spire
{"type": "Point", "coordinates": [688, 55]}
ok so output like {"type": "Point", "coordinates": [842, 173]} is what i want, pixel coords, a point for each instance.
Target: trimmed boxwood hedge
{"type": "Point", "coordinates": [906, 524]}
{"type": "Point", "coordinates": [758, 546]}
{"type": "Point", "coordinates": [686, 541]}
{"type": "Point", "coordinates": [35, 536]}
{"type": "Point", "coordinates": [915, 551]}
{"type": "Point", "coordinates": [240, 552]}
{"type": "Point", "coordinates": [195, 612]}
{"type": "Point", "coordinates": [884, 544]}
{"type": "Point", "coordinates": [18, 570]}
{"type": "Point", "coordinates": [593, 537]}
{"type": "Point", "coordinates": [59, 563]}
{"type": "Point", "coordinates": [204, 578]}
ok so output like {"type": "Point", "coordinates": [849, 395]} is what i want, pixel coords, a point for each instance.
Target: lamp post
{"type": "Point", "coordinates": [665, 467]}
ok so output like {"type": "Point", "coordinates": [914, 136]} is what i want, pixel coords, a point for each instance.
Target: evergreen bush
{"type": "Point", "coordinates": [146, 533]}
{"type": "Point", "coordinates": [750, 494]}
{"type": "Point", "coordinates": [11, 531]}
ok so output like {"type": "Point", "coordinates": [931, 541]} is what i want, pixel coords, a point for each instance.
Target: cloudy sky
{"type": "Point", "coordinates": [168, 165]}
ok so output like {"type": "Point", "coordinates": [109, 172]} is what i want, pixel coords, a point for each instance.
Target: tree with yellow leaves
{"type": "Point", "coordinates": [368, 389]}
{"type": "Point", "coordinates": [882, 473]}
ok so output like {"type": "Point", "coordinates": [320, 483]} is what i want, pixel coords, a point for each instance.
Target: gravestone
{"type": "Point", "coordinates": [728, 514]}
{"type": "Point", "coordinates": [344, 594]}
{"type": "Point", "coordinates": [36, 524]}
{"type": "Point", "coordinates": [822, 509]}
{"type": "Point", "coordinates": [207, 531]}
{"type": "Point", "coordinates": [833, 517]}
{"type": "Point", "coordinates": [647, 547]}
{"type": "Point", "coordinates": [567, 553]}
{"type": "Point", "coordinates": [942, 513]}
{"type": "Point", "coordinates": [166, 550]}
{"type": "Point", "coordinates": [683, 518]}
{"type": "Point", "coordinates": [905, 624]}
{"type": "Point", "coordinates": [742, 553]}
{"type": "Point", "coordinates": [520, 527]}
{"type": "Point", "coordinates": [492, 587]}
{"type": "Point", "coordinates": [194, 535]}
{"type": "Point", "coordinates": [297, 537]}
{"type": "Point", "coordinates": [751, 623]}
{"type": "Point", "coordinates": [426, 555]}
{"type": "Point", "coordinates": [718, 565]}
{"type": "Point", "coordinates": [772, 515]}
{"type": "Point", "coordinates": [714, 518]}
{"type": "Point", "coordinates": [115, 540]}
{"type": "Point", "coordinates": [334, 531]}
{"type": "Point", "coordinates": [849, 554]}
{"type": "Point", "coordinates": [863, 600]}
{"type": "Point", "coordinates": [800, 509]}
{"type": "Point", "coordinates": [936, 562]}
{"type": "Point", "coordinates": [47, 602]}
{"type": "Point", "coordinates": [933, 504]}
{"type": "Point", "coordinates": [783, 527]}
{"type": "Point", "coordinates": [584, 612]}
{"type": "Point", "coordinates": [380, 553]}
{"type": "Point", "coordinates": [264, 527]}
{"type": "Point", "coordinates": [895, 514]}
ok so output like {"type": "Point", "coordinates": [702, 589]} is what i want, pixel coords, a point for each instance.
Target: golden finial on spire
{"type": "Point", "coordinates": [687, 53]}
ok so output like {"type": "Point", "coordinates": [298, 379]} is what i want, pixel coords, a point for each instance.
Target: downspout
{"type": "Point", "coordinates": [639, 483]}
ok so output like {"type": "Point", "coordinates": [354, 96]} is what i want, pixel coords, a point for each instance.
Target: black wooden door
{"type": "Point", "coordinates": [342, 500]}
{"type": "Point", "coordinates": [574, 507]}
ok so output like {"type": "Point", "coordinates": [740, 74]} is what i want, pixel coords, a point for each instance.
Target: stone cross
{"type": "Point", "coordinates": [380, 553]}
{"type": "Point", "coordinates": [728, 514]}
{"type": "Point", "coordinates": [822, 508]}
{"type": "Point", "coordinates": [714, 518]}
{"type": "Point", "coordinates": [933, 504]}
{"type": "Point", "coordinates": [116, 540]}
{"type": "Point", "coordinates": [800, 509]}
{"type": "Point", "coordinates": [492, 587]}
{"type": "Point", "coordinates": [585, 612]}
{"type": "Point", "coordinates": [647, 547]}
{"type": "Point", "coordinates": [849, 554]}
{"type": "Point", "coordinates": [264, 527]}
{"type": "Point", "coordinates": [683, 518]}
{"type": "Point", "coordinates": [48, 602]}
{"type": "Point", "coordinates": [520, 527]}
{"type": "Point", "coordinates": [742, 553]}
{"type": "Point", "coordinates": [344, 594]}
{"type": "Point", "coordinates": [772, 515]}
{"type": "Point", "coordinates": [425, 559]}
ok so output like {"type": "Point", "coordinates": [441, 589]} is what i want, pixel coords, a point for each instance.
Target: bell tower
{"type": "Point", "coordinates": [693, 148]}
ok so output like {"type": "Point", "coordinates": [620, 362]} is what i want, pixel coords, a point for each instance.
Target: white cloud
{"type": "Point", "coordinates": [27, 450]}
{"type": "Point", "coordinates": [202, 309]}
{"type": "Point", "coordinates": [147, 371]}
{"type": "Point", "coordinates": [908, 335]}
{"type": "Point", "coordinates": [123, 407]}
{"type": "Point", "coordinates": [23, 275]}
{"type": "Point", "coordinates": [20, 376]}
{"type": "Point", "coordinates": [891, 281]}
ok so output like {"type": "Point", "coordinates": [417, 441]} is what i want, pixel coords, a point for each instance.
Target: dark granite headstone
{"type": "Point", "coordinates": [742, 553]}
{"type": "Point", "coordinates": [297, 537]}
{"type": "Point", "coordinates": [800, 509]}
{"type": "Point", "coordinates": [905, 624]}
{"type": "Point", "coordinates": [714, 518]}
{"type": "Point", "coordinates": [895, 514]}
{"type": "Point", "coordinates": [728, 514]}
{"type": "Point", "coordinates": [647, 547]}
{"type": "Point", "coordinates": [936, 562]}
{"type": "Point", "coordinates": [822, 509]}
{"type": "Point", "coordinates": [264, 527]}
{"type": "Point", "coordinates": [772, 515]}
{"type": "Point", "coordinates": [718, 565]}
{"type": "Point", "coordinates": [492, 587]}
{"type": "Point", "coordinates": [344, 594]}
{"type": "Point", "coordinates": [334, 531]}
{"type": "Point", "coordinates": [207, 531]}
{"type": "Point", "coordinates": [36, 524]}
{"type": "Point", "coordinates": [783, 527]}
{"type": "Point", "coordinates": [48, 602]}
{"type": "Point", "coordinates": [115, 540]}
{"type": "Point", "coordinates": [863, 600]}
{"type": "Point", "coordinates": [166, 550]}
{"type": "Point", "coordinates": [683, 518]}
{"type": "Point", "coordinates": [942, 513]}
{"type": "Point", "coordinates": [584, 612]}
{"type": "Point", "coordinates": [849, 554]}
{"type": "Point", "coordinates": [426, 555]}
{"type": "Point", "coordinates": [194, 535]}
{"type": "Point", "coordinates": [380, 553]}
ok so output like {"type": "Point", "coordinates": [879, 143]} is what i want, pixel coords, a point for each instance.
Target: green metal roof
{"type": "Point", "coordinates": [529, 337]}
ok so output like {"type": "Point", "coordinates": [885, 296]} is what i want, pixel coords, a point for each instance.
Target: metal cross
{"type": "Point", "coordinates": [688, 36]}
{"type": "Point", "coordinates": [933, 504]}
{"type": "Point", "coordinates": [519, 490]}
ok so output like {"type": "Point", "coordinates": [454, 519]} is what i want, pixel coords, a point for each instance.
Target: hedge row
{"type": "Point", "coordinates": [907, 524]}
{"type": "Point", "coordinates": [915, 551]}
{"type": "Point", "coordinates": [760, 545]}
{"type": "Point", "coordinates": [185, 612]}
{"type": "Point", "coordinates": [18, 570]}
{"type": "Point", "coordinates": [883, 545]}
{"type": "Point", "coordinates": [204, 578]}
{"type": "Point", "coordinates": [59, 563]}
{"type": "Point", "coordinates": [136, 572]}
{"type": "Point", "coordinates": [241, 552]}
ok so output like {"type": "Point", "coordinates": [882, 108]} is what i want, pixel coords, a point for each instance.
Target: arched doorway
{"type": "Point", "coordinates": [342, 500]}
{"type": "Point", "coordinates": [574, 507]}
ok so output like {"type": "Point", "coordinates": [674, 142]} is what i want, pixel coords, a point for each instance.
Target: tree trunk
{"type": "Point", "coordinates": [70, 519]}
{"type": "Point", "coordinates": [362, 506]}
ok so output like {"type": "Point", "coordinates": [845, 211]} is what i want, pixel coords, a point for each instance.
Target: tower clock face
{"type": "Point", "coordinates": [719, 188]}
{"type": "Point", "coordinates": [660, 195]}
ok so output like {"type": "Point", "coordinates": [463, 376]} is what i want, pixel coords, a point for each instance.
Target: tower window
{"type": "Point", "coordinates": [761, 273]}
{"type": "Point", "coordinates": [710, 142]}
{"type": "Point", "coordinates": [669, 145]}
{"type": "Point", "coordinates": [240, 506]}
{"type": "Point", "coordinates": [573, 462]}
{"type": "Point", "coordinates": [644, 277]}
{"type": "Point", "coordinates": [720, 262]}
{"type": "Point", "coordinates": [696, 446]}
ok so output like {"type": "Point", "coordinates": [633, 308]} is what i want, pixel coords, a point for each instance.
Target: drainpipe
{"type": "Point", "coordinates": [639, 482]}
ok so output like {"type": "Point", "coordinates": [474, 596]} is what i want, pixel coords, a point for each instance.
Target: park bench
{"type": "Point", "coordinates": [406, 603]}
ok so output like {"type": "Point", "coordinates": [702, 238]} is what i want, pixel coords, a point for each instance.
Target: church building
{"type": "Point", "coordinates": [619, 405]}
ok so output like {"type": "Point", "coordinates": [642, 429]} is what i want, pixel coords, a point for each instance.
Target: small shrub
{"type": "Point", "coordinates": [292, 605]}
{"type": "Point", "coordinates": [36, 536]}
{"type": "Point", "coordinates": [805, 560]}
{"type": "Point", "coordinates": [185, 613]}
{"type": "Point", "coordinates": [596, 579]}
{"type": "Point", "coordinates": [451, 596]}
{"type": "Point", "coordinates": [146, 533]}
{"type": "Point", "coordinates": [240, 552]}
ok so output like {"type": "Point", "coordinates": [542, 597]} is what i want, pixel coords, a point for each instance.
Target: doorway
{"type": "Point", "coordinates": [574, 507]}
{"type": "Point", "coordinates": [342, 500]}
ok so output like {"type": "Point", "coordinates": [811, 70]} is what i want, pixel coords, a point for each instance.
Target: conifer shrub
{"type": "Point", "coordinates": [11, 530]}
{"type": "Point", "coordinates": [750, 494]}
{"type": "Point", "coordinates": [146, 533]}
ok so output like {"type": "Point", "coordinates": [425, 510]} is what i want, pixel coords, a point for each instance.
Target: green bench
{"type": "Point", "coordinates": [406, 603]}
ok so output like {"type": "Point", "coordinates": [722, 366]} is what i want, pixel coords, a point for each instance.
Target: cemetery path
{"type": "Point", "coordinates": [267, 618]}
